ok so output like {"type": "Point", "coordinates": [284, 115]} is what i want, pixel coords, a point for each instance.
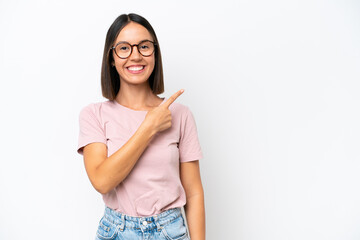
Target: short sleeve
{"type": "Point", "coordinates": [90, 129]}
{"type": "Point", "coordinates": [189, 145]}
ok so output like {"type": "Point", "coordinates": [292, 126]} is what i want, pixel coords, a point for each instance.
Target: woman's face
{"type": "Point", "coordinates": [136, 69]}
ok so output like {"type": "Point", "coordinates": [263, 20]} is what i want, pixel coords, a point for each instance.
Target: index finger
{"type": "Point", "coordinates": [172, 98]}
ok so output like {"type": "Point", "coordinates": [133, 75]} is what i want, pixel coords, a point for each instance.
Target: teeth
{"type": "Point", "coordinates": [136, 68]}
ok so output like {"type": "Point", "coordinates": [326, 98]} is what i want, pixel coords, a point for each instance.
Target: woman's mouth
{"type": "Point", "coordinates": [136, 69]}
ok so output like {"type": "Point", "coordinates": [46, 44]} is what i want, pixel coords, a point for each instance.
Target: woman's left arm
{"type": "Point", "coordinates": [195, 207]}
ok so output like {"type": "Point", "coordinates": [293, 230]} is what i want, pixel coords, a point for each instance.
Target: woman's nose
{"type": "Point", "coordinates": [135, 55]}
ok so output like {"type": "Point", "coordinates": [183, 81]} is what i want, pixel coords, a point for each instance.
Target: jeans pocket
{"type": "Point", "coordinates": [106, 230]}
{"type": "Point", "coordinates": [175, 230]}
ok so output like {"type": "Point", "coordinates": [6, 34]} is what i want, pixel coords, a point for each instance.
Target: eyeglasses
{"type": "Point", "coordinates": [124, 49]}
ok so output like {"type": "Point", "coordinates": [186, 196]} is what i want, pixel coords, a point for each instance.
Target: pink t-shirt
{"type": "Point", "coordinates": [153, 185]}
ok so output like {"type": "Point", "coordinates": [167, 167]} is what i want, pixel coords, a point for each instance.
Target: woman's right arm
{"type": "Point", "coordinates": [105, 173]}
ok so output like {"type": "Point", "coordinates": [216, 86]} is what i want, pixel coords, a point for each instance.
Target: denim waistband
{"type": "Point", "coordinates": [145, 223]}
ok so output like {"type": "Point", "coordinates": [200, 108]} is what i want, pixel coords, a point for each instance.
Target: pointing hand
{"type": "Point", "coordinates": [160, 117]}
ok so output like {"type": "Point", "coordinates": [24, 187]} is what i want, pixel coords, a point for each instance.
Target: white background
{"type": "Point", "coordinates": [273, 86]}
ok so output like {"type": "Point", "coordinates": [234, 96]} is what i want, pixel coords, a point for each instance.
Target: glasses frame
{"type": "Point", "coordinates": [132, 47]}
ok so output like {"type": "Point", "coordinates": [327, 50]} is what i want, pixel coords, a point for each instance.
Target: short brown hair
{"type": "Point", "coordinates": [110, 80]}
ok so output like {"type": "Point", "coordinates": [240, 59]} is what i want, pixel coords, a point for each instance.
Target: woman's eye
{"type": "Point", "coordinates": [123, 48]}
{"type": "Point", "coordinates": [144, 47]}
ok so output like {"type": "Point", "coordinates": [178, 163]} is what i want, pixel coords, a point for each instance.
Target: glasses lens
{"type": "Point", "coordinates": [123, 50]}
{"type": "Point", "coordinates": [146, 48]}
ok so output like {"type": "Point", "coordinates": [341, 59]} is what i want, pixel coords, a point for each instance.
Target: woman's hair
{"type": "Point", "coordinates": [110, 80]}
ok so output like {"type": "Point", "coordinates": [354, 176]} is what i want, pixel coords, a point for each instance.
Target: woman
{"type": "Point", "coordinates": [140, 151]}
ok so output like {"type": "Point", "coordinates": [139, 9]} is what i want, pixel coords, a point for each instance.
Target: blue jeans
{"type": "Point", "coordinates": [168, 225]}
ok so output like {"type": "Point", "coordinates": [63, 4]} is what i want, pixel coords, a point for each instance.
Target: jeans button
{"type": "Point", "coordinates": [145, 223]}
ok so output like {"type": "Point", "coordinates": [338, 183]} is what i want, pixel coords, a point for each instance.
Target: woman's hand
{"type": "Point", "coordinates": [159, 118]}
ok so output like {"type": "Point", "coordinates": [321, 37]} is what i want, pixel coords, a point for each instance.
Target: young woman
{"type": "Point", "coordinates": [141, 152]}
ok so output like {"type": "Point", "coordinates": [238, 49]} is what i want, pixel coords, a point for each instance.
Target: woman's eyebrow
{"type": "Point", "coordinates": [136, 43]}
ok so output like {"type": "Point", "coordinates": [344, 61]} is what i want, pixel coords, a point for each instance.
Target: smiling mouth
{"type": "Point", "coordinates": [135, 68]}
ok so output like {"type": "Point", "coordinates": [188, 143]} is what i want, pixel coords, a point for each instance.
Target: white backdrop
{"type": "Point", "coordinates": [273, 86]}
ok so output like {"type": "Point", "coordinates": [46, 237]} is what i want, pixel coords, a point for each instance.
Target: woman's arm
{"type": "Point", "coordinates": [195, 207]}
{"type": "Point", "coordinates": [105, 173]}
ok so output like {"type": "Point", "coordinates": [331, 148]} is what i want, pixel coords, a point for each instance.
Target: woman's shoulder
{"type": "Point", "coordinates": [108, 106]}
{"type": "Point", "coordinates": [97, 107]}
{"type": "Point", "coordinates": [180, 109]}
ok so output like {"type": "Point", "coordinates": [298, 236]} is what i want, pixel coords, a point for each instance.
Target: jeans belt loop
{"type": "Point", "coordinates": [122, 225]}
{"type": "Point", "coordinates": [157, 223]}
